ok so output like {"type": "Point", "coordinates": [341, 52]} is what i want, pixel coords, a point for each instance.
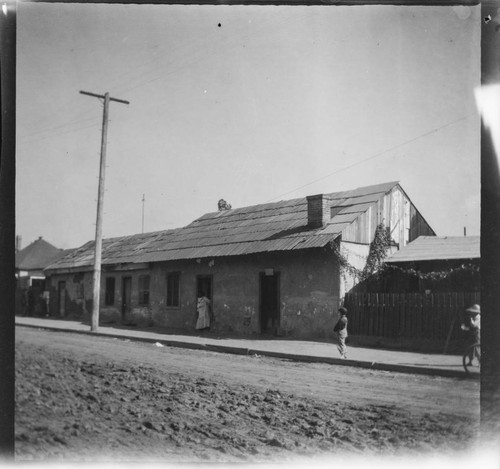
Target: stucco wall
{"type": "Point", "coordinates": [309, 293]}
{"type": "Point", "coordinates": [356, 255]}
{"type": "Point", "coordinates": [78, 292]}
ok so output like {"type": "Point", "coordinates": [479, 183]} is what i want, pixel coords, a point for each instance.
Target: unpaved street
{"type": "Point", "coordinates": [86, 398]}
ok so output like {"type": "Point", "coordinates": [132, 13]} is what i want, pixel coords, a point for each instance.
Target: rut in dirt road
{"type": "Point", "coordinates": [74, 401]}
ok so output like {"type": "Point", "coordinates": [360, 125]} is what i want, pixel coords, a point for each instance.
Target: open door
{"type": "Point", "coordinates": [269, 302]}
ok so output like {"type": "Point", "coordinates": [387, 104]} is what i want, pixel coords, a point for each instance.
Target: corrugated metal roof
{"type": "Point", "coordinates": [278, 226]}
{"type": "Point", "coordinates": [428, 248]}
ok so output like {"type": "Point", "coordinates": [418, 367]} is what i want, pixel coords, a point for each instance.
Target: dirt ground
{"type": "Point", "coordinates": [84, 398]}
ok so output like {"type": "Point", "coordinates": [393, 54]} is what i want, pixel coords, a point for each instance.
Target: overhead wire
{"type": "Point", "coordinates": [376, 155]}
{"type": "Point", "coordinates": [182, 66]}
{"type": "Point", "coordinates": [87, 112]}
{"type": "Point", "coordinates": [27, 136]}
{"type": "Point", "coordinates": [65, 132]}
{"type": "Point", "coordinates": [204, 54]}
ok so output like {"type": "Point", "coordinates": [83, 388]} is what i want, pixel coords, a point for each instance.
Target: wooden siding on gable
{"type": "Point", "coordinates": [362, 229]}
{"type": "Point", "coordinates": [418, 226]}
{"type": "Point", "coordinates": [397, 212]}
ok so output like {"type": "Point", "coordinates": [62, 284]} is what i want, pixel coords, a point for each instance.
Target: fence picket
{"type": "Point", "coordinates": [432, 317]}
{"type": "Point", "coordinates": [419, 313]}
{"type": "Point", "coordinates": [402, 314]}
{"type": "Point", "coordinates": [395, 317]}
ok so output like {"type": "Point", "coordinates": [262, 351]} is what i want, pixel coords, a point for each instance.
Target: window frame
{"type": "Point", "coordinates": [144, 293]}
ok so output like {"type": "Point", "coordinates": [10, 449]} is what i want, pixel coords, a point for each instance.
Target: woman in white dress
{"type": "Point", "coordinates": [203, 308]}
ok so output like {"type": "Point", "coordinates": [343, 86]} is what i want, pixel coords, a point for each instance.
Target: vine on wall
{"type": "Point", "coordinates": [345, 266]}
{"type": "Point", "coordinates": [436, 275]}
{"type": "Point", "coordinates": [378, 250]}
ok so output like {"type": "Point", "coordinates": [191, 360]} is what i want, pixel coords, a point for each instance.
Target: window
{"type": "Point", "coordinates": [110, 291]}
{"type": "Point", "coordinates": [143, 290]}
{"type": "Point", "coordinates": [173, 288]}
{"type": "Point", "coordinates": [79, 290]}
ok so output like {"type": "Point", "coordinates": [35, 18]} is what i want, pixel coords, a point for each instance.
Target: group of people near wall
{"type": "Point", "coordinates": [34, 302]}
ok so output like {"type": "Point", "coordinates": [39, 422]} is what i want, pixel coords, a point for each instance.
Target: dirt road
{"type": "Point", "coordinates": [86, 398]}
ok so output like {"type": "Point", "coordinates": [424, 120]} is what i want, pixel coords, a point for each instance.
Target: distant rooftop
{"type": "Point", "coordinates": [38, 255]}
{"type": "Point", "coordinates": [428, 248]}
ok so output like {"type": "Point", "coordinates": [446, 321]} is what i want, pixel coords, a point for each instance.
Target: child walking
{"type": "Point", "coordinates": [472, 326]}
{"type": "Point", "coordinates": [341, 331]}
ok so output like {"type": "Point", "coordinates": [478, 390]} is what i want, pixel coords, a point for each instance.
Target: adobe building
{"type": "Point", "coordinates": [274, 268]}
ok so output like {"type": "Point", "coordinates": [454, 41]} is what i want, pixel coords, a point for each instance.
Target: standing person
{"type": "Point", "coordinates": [46, 298]}
{"type": "Point", "coordinates": [203, 308]}
{"type": "Point", "coordinates": [341, 331]}
{"type": "Point", "coordinates": [472, 326]}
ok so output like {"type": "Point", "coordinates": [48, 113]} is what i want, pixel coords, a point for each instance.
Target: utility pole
{"type": "Point", "coordinates": [100, 198]}
{"type": "Point", "coordinates": [143, 201]}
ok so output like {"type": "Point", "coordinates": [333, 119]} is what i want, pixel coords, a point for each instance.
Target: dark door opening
{"type": "Point", "coordinates": [204, 286]}
{"type": "Point", "coordinates": [61, 288]}
{"type": "Point", "coordinates": [38, 287]}
{"type": "Point", "coordinates": [126, 296]}
{"type": "Point", "coordinates": [269, 303]}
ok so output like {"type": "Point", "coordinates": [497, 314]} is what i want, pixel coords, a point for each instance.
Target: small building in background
{"type": "Point", "coordinates": [30, 277]}
{"type": "Point", "coordinates": [276, 268]}
{"type": "Point", "coordinates": [436, 264]}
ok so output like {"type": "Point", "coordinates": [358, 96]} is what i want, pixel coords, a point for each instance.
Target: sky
{"type": "Point", "coordinates": [251, 104]}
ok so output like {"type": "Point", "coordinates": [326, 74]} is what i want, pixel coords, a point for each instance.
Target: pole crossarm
{"type": "Point", "coordinates": [103, 97]}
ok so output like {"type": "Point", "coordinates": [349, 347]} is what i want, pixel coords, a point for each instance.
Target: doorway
{"type": "Point", "coordinates": [126, 296]}
{"type": "Point", "coordinates": [61, 294]}
{"type": "Point", "coordinates": [269, 303]}
{"type": "Point", "coordinates": [204, 286]}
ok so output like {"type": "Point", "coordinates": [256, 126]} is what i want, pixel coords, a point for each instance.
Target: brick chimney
{"type": "Point", "coordinates": [18, 243]}
{"type": "Point", "coordinates": [318, 210]}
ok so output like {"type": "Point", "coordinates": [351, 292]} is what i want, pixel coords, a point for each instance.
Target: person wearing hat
{"type": "Point", "coordinates": [472, 326]}
{"type": "Point", "coordinates": [340, 330]}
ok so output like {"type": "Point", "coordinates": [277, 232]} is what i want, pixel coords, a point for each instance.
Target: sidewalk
{"type": "Point", "coordinates": [299, 350]}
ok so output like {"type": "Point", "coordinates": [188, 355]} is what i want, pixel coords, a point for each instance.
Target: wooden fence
{"type": "Point", "coordinates": [435, 316]}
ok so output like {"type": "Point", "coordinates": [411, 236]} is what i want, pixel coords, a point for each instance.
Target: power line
{"type": "Point", "coordinates": [180, 66]}
{"type": "Point", "coordinates": [204, 56]}
{"type": "Point", "coordinates": [60, 133]}
{"type": "Point", "coordinates": [81, 117]}
{"type": "Point", "coordinates": [49, 129]}
{"type": "Point", "coordinates": [373, 156]}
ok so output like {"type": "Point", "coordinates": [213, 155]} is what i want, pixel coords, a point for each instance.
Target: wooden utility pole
{"type": "Point", "coordinates": [100, 198]}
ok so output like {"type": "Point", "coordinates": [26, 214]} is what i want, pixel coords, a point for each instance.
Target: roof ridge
{"type": "Point", "coordinates": [254, 228]}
